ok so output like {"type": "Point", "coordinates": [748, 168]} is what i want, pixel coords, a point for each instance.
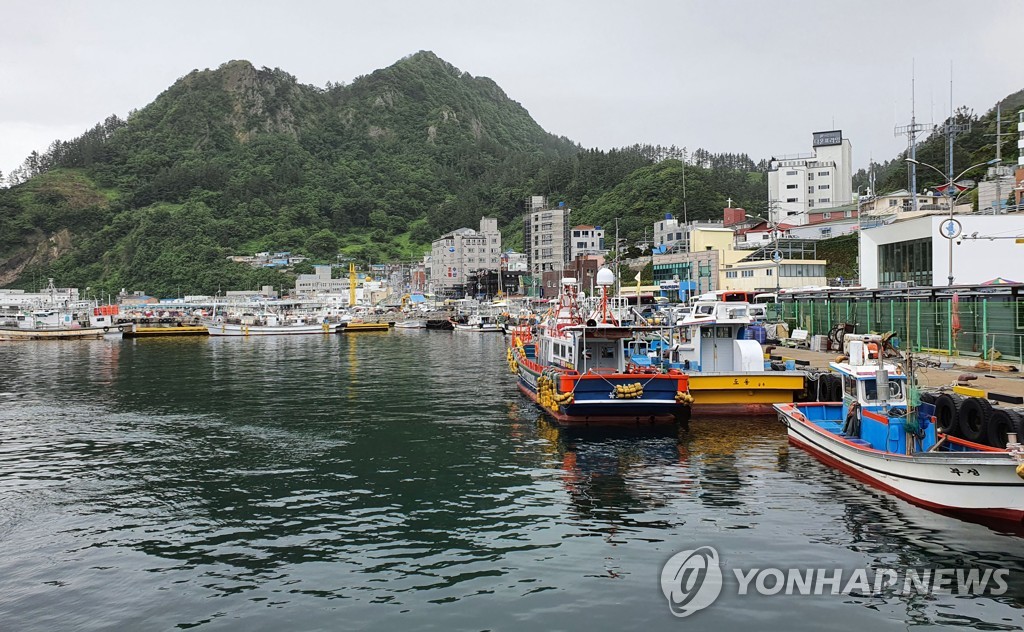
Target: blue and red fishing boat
{"type": "Point", "coordinates": [575, 367]}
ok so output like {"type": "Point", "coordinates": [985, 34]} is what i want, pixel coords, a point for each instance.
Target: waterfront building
{"type": "Point", "coordinates": [454, 255]}
{"type": "Point", "coordinates": [912, 250]}
{"type": "Point", "coordinates": [803, 183]}
{"type": "Point", "coordinates": [546, 236]}
{"type": "Point", "coordinates": [320, 282]}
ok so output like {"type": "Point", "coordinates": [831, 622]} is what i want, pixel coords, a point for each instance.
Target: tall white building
{"type": "Point", "coordinates": [464, 250]}
{"type": "Point", "coordinates": [799, 185]}
{"type": "Point", "coordinates": [546, 236]}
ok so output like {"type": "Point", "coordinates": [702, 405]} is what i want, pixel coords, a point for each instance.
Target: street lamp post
{"type": "Point", "coordinates": [949, 230]}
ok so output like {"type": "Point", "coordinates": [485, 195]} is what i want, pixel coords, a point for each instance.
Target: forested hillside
{"type": "Point", "coordinates": [239, 160]}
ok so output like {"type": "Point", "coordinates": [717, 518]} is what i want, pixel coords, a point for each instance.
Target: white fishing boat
{"type": "Point", "coordinates": [269, 324]}
{"type": "Point", "coordinates": [412, 323]}
{"type": "Point", "coordinates": [876, 437]}
{"type": "Point", "coordinates": [479, 322]}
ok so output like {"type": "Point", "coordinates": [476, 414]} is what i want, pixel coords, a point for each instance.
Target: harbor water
{"type": "Point", "coordinates": [388, 481]}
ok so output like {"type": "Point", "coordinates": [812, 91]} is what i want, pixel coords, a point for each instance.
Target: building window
{"type": "Point", "coordinates": [575, 233]}
{"type": "Point", "coordinates": [906, 261]}
{"type": "Point", "coordinates": [826, 215]}
{"type": "Point", "coordinates": [790, 186]}
{"type": "Point", "coordinates": [730, 274]}
{"type": "Point", "coordinates": [789, 200]}
{"type": "Point", "coordinates": [822, 173]}
{"type": "Point", "coordinates": [768, 272]}
{"type": "Point", "coordinates": [748, 273]}
{"type": "Point", "coordinates": [790, 173]}
{"type": "Point", "coordinates": [810, 189]}
{"type": "Point", "coordinates": [823, 200]}
{"type": "Point", "coordinates": [892, 202]}
{"type": "Point", "coordinates": [822, 187]}
{"type": "Point", "coordinates": [810, 203]}
{"type": "Point", "coordinates": [810, 176]}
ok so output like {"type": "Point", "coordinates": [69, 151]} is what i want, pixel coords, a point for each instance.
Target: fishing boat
{"type": "Point", "coordinates": [575, 368]}
{"type": "Point", "coordinates": [268, 324]}
{"type": "Point", "coordinates": [60, 320]}
{"type": "Point", "coordinates": [718, 346]}
{"type": "Point", "coordinates": [411, 323]}
{"type": "Point", "coordinates": [478, 322]}
{"type": "Point", "coordinates": [875, 435]}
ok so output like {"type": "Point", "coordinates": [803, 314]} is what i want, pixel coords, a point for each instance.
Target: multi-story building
{"type": "Point", "coordinates": [801, 184]}
{"type": "Point", "coordinates": [454, 255]}
{"type": "Point", "coordinates": [1018, 189]}
{"type": "Point", "coordinates": [586, 240]}
{"type": "Point", "coordinates": [320, 282]}
{"type": "Point", "coordinates": [546, 236]}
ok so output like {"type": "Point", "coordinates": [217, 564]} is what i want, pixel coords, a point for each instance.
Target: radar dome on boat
{"type": "Point", "coordinates": [605, 277]}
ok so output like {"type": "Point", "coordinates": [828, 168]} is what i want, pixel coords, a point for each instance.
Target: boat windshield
{"type": "Point", "coordinates": [871, 391]}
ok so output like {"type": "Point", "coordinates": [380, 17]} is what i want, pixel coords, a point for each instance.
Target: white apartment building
{"type": "Point", "coordinates": [801, 184]}
{"type": "Point", "coordinates": [667, 232]}
{"type": "Point", "coordinates": [546, 236]}
{"type": "Point", "coordinates": [586, 240]}
{"type": "Point", "coordinates": [455, 254]}
{"type": "Point", "coordinates": [320, 282]}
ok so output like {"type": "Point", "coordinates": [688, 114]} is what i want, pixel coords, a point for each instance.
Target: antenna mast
{"type": "Point", "coordinates": [911, 131]}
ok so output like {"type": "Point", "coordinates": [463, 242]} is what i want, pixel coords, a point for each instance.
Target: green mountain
{"type": "Point", "coordinates": [239, 160]}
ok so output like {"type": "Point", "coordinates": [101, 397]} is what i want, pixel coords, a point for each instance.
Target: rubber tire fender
{"type": "Point", "coordinates": [947, 412]}
{"type": "Point", "coordinates": [974, 418]}
{"type": "Point", "coordinates": [1001, 423]}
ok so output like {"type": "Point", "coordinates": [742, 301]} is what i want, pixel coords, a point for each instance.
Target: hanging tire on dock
{"type": "Point", "coordinates": [974, 419]}
{"type": "Point", "coordinates": [947, 412]}
{"type": "Point", "coordinates": [1000, 424]}
{"type": "Point", "coordinates": [835, 392]}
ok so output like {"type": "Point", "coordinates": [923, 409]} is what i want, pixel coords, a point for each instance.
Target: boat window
{"type": "Point", "coordinates": [723, 332]}
{"type": "Point", "coordinates": [895, 390]}
{"type": "Point", "coordinates": [850, 386]}
{"type": "Point", "coordinates": [607, 352]}
{"type": "Point", "coordinates": [870, 390]}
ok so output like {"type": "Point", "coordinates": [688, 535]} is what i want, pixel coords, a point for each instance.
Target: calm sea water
{"type": "Point", "coordinates": [399, 481]}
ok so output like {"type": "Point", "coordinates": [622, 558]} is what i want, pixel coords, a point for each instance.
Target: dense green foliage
{"type": "Point", "coordinates": [239, 160]}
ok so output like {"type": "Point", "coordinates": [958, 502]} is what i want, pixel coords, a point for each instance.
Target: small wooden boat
{"type": "Point", "coordinates": [874, 436]}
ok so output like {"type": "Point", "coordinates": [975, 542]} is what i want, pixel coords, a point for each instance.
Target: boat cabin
{"type": "Point", "coordinates": [713, 339]}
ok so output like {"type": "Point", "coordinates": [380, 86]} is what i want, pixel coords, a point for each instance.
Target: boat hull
{"type": "Point", "coordinates": [82, 333]}
{"type": "Point", "coordinates": [594, 397]}
{"type": "Point", "coordinates": [479, 329]}
{"type": "Point", "coordinates": [744, 393]}
{"type": "Point", "coordinates": [231, 329]}
{"type": "Point", "coordinates": [982, 484]}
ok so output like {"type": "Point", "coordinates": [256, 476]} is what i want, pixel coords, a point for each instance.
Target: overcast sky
{"type": "Point", "coordinates": [754, 77]}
